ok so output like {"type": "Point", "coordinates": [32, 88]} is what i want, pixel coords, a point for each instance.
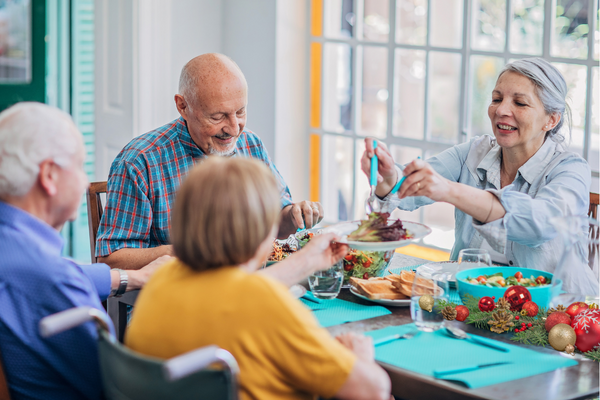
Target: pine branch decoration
{"type": "Point", "coordinates": [593, 355]}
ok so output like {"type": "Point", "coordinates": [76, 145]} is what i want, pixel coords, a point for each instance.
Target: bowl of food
{"type": "Point", "coordinates": [282, 249]}
{"type": "Point", "coordinates": [365, 264]}
{"type": "Point", "coordinates": [493, 282]}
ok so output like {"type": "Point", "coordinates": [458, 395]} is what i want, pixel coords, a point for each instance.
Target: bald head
{"type": "Point", "coordinates": [212, 100]}
{"type": "Point", "coordinates": [206, 75]}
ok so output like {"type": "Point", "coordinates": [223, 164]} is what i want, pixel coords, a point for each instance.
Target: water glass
{"type": "Point", "coordinates": [473, 258]}
{"type": "Point", "coordinates": [326, 284]}
{"type": "Point", "coordinates": [428, 282]}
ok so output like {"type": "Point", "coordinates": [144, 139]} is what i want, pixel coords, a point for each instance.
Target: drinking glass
{"type": "Point", "coordinates": [326, 284]}
{"type": "Point", "coordinates": [428, 281]}
{"type": "Point", "coordinates": [473, 258]}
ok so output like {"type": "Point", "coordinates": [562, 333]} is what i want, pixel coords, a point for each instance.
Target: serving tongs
{"type": "Point", "coordinates": [372, 203]}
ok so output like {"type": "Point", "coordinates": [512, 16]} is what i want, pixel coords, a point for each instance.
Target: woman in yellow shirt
{"type": "Point", "coordinates": [224, 219]}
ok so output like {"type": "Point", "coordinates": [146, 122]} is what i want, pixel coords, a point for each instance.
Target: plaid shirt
{"type": "Point", "coordinates": [143, 181]}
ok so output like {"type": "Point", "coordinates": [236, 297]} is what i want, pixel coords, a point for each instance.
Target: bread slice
{"type": "Point", "coordinates": [376, 288]}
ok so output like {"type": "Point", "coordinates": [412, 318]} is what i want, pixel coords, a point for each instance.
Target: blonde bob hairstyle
{"type": "Point", "coordinates": [224, 210]}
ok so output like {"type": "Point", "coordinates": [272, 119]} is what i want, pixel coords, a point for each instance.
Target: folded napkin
{"type": "Point", "coordinates": [337, 311]}
{"type": "Point", "coordinates": [431, 351]}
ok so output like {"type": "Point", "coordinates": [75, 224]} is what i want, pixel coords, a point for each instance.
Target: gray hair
{"type": "Point", "coordinates": [551, 90]}
{"type": "Point", "coordinates": [29, 134]}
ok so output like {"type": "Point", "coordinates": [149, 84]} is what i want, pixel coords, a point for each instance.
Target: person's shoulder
{"type": "Point", "coordinates": [563, 158]}
{"type": "Point", "coordinates": [150, 143]}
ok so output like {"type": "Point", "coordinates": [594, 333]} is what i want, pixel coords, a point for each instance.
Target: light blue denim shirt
{"type": "Point", "coordinates": [552, 183]}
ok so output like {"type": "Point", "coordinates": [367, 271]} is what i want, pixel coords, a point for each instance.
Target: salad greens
{"type": "Point", "coordinates": [498, 280]}
{"type": "Point", "coordinates": [376, 229]}
{"type": "Point", "coordinates": [365, 264]}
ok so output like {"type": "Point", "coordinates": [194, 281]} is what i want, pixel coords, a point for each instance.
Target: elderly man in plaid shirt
{"type": "Point", "coordinates": [145, 176]}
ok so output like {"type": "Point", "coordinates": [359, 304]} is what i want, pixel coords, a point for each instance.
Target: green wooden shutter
{"type": "Point", "coordinates": [82, 108]}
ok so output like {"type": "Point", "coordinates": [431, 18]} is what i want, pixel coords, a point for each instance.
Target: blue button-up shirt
{"type": "Point", "coordinates": [35, 281]}
{"type": "Point", "coordinates": [552, 183]}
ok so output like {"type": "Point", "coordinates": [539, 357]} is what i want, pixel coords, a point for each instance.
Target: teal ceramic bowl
{"type": "Point", "coordinates": [539, 295]}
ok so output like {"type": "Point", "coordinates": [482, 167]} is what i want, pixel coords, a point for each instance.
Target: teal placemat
{"type": "Point", "coordinates": [454, 297]}
{"type": "Point", "coordinates": [427, 352]}
{"type": "Point", "coordinates": [337, 311]}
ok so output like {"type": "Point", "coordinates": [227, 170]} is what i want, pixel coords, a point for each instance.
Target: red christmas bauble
{"type": "Point", "coordinates": [587, 329]}
{"type": "Point", "coordinates": [557, 317]}
{"type": "Point", "coordinates": [516, 297]}
{"type": "Point", "coordinates": [576, 308]}
{"type": "Point", "coordinates": [531, 308]}
{"type": "Point", "coordinates": [486, 304]}
{"type": "Point", "coordinates": [462, 313]}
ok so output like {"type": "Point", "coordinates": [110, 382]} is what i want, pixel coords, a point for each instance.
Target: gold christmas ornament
{"type": "Point", "coordinates": [560, 336]}
{"type": "Point", "coordinates": [559, 307]}
{"type": "Point", "coordinates": [524, 313]}
{"type": "Point", "coordinates": [449, 313]}
{"type": "Point", "coordinates": [426, 302]}
{"type": "Point", "coordinates": [593, 306]}
{"type": "Point", "coordinates": [502, 304]}
{"type": "Point", "coordinates": [501, 322]}
{"type": "Point", "coordinates": [570, 349]}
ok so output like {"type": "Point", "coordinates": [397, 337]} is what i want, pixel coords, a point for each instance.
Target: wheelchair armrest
{"type": "Point", "coordinates": [65, 320]}
{"type": "Point", "coordinates": [196, 360]}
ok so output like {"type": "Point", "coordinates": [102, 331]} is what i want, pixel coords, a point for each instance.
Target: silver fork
{"type": "Point", "coordinates": [391, 338]}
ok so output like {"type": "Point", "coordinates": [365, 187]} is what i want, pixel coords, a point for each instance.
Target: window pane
{"type": "Point", "coordinates": [373, 105]}
{"type": "Point", "coordinates": [444, 96]}
{"type": "Point", "coordinates": [597, 36]}
{"type": "Point", "coordinates": [569, 36]}
{"type": "Point", "coordinates": [593, 158]}
{"type": "Point", "coordinates": [336, 178]}
{"type": "Point", "coordinates": [527, 27]}
{"type": "Point", "coordinates": [405, 154]}
{"type": "Point", "coordinates": [411, 22]}
{"type": "Point", "coordinates": [409, 93]}
{"type": "Point", "coordinates": [338, 18]}
{"type": "Point", "coordinates": [440, 218]}
{"type": "Point", "coordinates": [337, 87]}
{"type": "Point", "coordinates": [362, 188]}
{"type": "Point", "coordinates": [376, 26]}
{"type": "Point", "coordinates": [575, 76]}
{"type": "Point", "coordinates": [15, 41]}
{"type": "Point", "coordinates": [484, 73]}
{"type": "Point", "coordinates": [489, 25]}
{"type": "Point", "coordinates": [446, 23]}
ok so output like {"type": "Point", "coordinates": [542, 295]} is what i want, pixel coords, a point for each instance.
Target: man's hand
{"type": "Point", "coordinates": [138, 278]}
{"type": "Point", "coordinates": [302, 215]}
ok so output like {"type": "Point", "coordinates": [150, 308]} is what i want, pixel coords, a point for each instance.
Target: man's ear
{"type": "Point", "coordinates": [182, 106]}
{"type": "Point", "coordinates": [48, 177]}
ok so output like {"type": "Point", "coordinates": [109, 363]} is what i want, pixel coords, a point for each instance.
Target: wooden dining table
{"type": "Point", "coordinates": [576, 382]}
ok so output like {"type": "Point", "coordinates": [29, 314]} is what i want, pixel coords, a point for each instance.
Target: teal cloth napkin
{"type": "Point", "coordinates": [427, 352]}
{"type": "Point", "coordinates": [337, 311]}
{"type": "Point", "coordinates": [454, 297]}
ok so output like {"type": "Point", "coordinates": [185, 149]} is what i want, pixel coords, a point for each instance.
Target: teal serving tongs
{"type": "Point", "coordinates": [372, 203]}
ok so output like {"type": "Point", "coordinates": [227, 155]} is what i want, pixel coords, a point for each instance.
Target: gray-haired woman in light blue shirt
{"type": "Point", "coordinates": [506, 188]}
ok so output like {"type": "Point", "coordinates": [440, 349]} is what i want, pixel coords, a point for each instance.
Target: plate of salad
{"type": "Point", "coordinates": [365, 264]}
{"type": "Point", "coordinates": [379, 232]}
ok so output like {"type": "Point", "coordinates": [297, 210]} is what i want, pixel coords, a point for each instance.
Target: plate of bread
{"type": "Point", "coordinates": [392, 290]}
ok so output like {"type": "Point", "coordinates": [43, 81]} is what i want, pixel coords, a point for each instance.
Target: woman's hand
{"type": "Point", "coordinates": [423, 180]}
{"type": "Point", "coordinates": [322, 251]}
{"type": "Point", "coordinates": [387, 175]}
{"type": "Point", "coordinates": [360, 345]}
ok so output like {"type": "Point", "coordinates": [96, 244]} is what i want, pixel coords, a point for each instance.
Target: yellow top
{"type": "Point", "coordinates": [282, 351]}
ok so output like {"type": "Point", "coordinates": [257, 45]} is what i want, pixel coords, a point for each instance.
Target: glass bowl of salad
{"type": "Point", "coordinates": [493, 282]}
{"type": "Point", "coordinates": [365, 264]}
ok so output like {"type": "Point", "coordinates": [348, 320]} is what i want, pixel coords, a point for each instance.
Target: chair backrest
{"type": "Point", "coordinates": [132, 376]}
{"type": "Point", "coordinates": [127, 375]}
{"type": "Point", "coordinates": [4, 395]}
{"type": "Point", "coordinates": [594, 200]}
{"type": "Point", "coordinates": [95, 211]}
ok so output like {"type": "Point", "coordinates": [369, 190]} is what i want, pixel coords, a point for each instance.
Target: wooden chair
{"type": "Point", "coordinates": [594, 235]}
{"type": "Point", "coordinates": [95, 211]}
{"type": "Point", "coordinates": [593, 212]}
{"type": "Point", "coordinates": [4, 395]}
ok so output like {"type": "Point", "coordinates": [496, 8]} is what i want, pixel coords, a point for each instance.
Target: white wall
{"type": "Point", "coordinates": [146, 43]}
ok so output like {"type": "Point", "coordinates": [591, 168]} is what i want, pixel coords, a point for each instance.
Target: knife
{"type": "Point", "coordinates": [438, 373]}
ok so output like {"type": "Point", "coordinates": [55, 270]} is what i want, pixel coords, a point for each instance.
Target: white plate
{"type": "Point", "coordinates": [383, 302]}
{"type": "Point", "coordinates": [418, 231]}
{"type": "Point", "coordinates": [298, 291]}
